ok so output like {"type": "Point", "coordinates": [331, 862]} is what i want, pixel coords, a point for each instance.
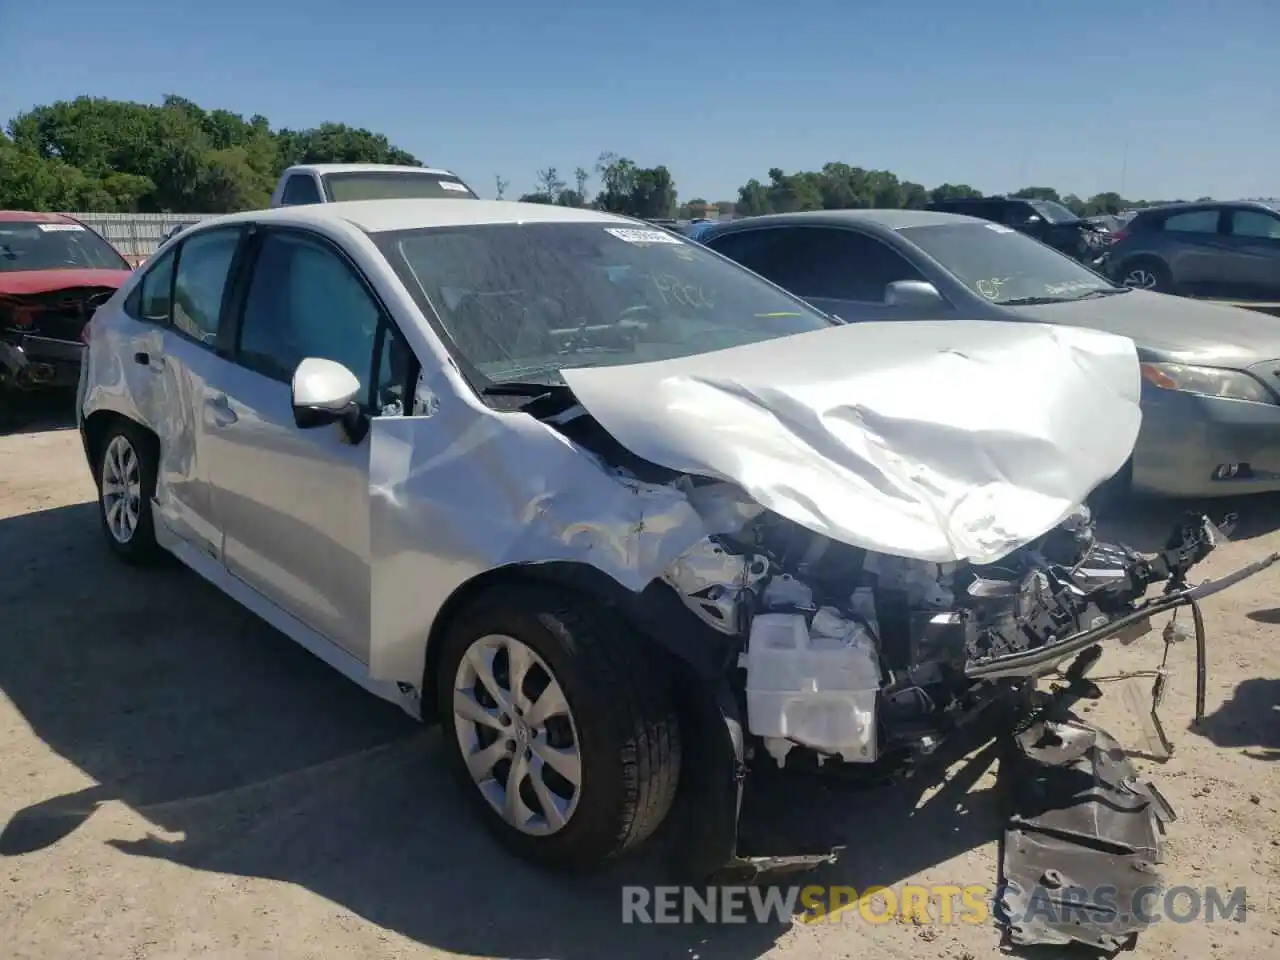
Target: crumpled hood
{"type": "Point", "coordinates": [24, 282]}
{"type": "Point", "coordinates": [937, 440]}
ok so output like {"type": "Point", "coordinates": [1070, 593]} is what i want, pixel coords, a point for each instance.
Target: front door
{"type": "Point", "coordinates": [294, 503]}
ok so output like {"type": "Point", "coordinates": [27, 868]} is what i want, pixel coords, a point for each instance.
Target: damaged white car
{"type": "Point", "coordinates": [619, 514]}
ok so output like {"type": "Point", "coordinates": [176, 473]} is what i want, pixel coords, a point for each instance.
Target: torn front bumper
{"type": "Point", "coordinates": [28, 361]}
{"type": "Point", "coordinates": [1083, 840]}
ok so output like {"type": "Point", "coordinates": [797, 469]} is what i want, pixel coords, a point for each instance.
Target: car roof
{"type": "Point", "coordinates": [888, 219]}
{"type": "Point", "coordinates": [1189, 205]}
{"type": "Point", "coordinates": [381, 216]}
{"type": "Point", "coordinates": [323, 168]}
{"type": "Point", "coordinates": [34, 216]}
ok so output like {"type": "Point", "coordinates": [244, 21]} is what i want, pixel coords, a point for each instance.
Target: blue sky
{"type": "Point", "coordinates": [996, 93]}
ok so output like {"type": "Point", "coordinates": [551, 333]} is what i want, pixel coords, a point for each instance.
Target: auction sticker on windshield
{"type": "Point", "coordinates": [60, 227]}
{"type": "Point", "coordinates": [453, 185]}
{"type": "Point", "coordinates": [643, 236]}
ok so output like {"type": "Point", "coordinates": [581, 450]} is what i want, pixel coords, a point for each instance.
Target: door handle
{"type": "Point", "coordinates": [220, 409]}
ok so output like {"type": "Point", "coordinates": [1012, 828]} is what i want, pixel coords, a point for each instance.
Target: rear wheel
{"type": "Point", "coordinates": [126, 475]}
{"type": "Point", "coordinates": [560, 730]}
{"type": "Point", "coordinates": [1146, 273]}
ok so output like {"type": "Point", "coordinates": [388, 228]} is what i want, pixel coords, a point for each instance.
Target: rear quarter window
{"type": "Point", "coordinates": [300, 189]}
{"type": "Point", "coordinates": [1193, 221]}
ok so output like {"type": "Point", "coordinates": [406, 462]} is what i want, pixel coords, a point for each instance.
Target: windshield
{"type": "Point", "coordinates": [389, 185]}
{"type": "Point", "coordinates": [523, 301]}
{"type": "Point", "coordinates": [1005, 266]}
{"type": "Point", "coordinates": [27, 245]}
{"type": "Point", "coordinates": [1054, 212]}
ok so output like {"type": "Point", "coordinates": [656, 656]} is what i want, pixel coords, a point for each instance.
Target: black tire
{"type": "Point", "coordinates": [628, 733]}
{"type": "Point", "coordinates": [139, 548]}
{"type": "Point", "coordinates": [1160, 278]}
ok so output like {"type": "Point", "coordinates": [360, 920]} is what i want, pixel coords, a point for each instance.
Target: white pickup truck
{"type": "Point", "coordinates": [335, 182]}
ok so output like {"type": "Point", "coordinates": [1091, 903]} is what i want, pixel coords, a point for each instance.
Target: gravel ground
{"type": "Point", "coordinates": [181, 781]}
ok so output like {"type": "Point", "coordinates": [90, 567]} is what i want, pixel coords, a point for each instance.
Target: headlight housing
{"type": "Point", "coordinates": [1207, 381]}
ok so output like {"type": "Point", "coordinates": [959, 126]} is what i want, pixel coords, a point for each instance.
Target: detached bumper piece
{"type": "Point", "coordinates": [1081, 847]}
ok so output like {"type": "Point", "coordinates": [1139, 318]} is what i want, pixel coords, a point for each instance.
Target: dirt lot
{"type": "Point", "coordinates": [180, 781]}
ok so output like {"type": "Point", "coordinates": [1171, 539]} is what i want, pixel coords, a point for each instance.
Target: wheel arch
{"type": "Point", "coordinates": [98, 424]}
{"type": "Point", "coordinates": [1140, 259]}
{"type": "Point", "coordinates": [656, 613]}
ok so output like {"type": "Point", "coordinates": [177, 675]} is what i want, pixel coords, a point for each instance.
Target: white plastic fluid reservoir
{"type": "Point", "coordinates": [817, 690]}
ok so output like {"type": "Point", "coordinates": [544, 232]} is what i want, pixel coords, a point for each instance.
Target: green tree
{"type": "Point", "coordinates": [100, 154]}
{"type": "Point", "coordinates": [954, 191]}
{"type": "Point", "coordinates": [550, 185]}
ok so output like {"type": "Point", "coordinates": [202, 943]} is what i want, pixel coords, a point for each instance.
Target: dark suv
{"type": "Point", "coordinates": [1224, 249]}
{"type": "Point", "coordinates": [1047, 221]}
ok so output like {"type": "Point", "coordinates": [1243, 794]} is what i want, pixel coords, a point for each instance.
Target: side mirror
{"type": "Point", "coordinates": [325, 392]}
{"type": "Point", "coordinates": [913, 293]}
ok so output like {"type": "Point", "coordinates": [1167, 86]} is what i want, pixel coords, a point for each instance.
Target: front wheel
{"type": "Point", "coordinates": [560, 730]}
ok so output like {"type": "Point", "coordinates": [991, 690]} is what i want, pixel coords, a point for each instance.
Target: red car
{"type": "Point", "coordinates": [54, 272]}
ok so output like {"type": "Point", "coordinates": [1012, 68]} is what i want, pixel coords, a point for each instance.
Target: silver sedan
{"type": "Point", "coordinates": [1210, 373]}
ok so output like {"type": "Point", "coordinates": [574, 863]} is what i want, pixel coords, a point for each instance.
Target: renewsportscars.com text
{"type": "Point", "coordinates": [937, 903]}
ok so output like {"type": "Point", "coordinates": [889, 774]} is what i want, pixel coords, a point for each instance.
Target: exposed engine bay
{"type": "Point", "coordinates": [866, 658]}
{"type": "Point", "coordinates": [870, 658]}
{"type": "Point", "coordinates": [861, 662]}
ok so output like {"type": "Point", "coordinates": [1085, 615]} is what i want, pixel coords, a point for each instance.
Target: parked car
{"type": "Point", "coordinates": [54, 272]}
{"type": "Point", "coordinates": [308, 183]}
{"type": "Point", "coordinates": [1046, 220]}
{"type": "Point", "coordinates": [176, 229]}
{"type": "Point", "coordinates": [1211, 249]}
{"type": "Point", "coordinates": [598, 500]}
{"type": "Point", "coordinates": [1211, 377]}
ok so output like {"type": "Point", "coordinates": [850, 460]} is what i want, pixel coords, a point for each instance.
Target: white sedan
{"type": "Point", "coordinates": [607, 505]}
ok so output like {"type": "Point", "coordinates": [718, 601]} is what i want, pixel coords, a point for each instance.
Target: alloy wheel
{"type": "Point", "coordinates": [1141, 279]}
{"type": "Point", "coordinates": [121, 488]}
{"type": "Point", "coordinates": [517, 735]}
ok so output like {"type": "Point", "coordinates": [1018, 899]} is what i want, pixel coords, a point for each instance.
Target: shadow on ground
{"type": "Point", "coordinates": [1250, 719]}
{"type": "Point", "coordinates": [37, 412]}
{"type": "Point", "coordinates": [1145, 524]}
{"type": "Point", "coordinates": [189, 710]}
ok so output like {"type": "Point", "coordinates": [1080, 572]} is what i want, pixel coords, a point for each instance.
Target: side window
{"type": "Point", "coordinates": [840, 264]}
{"type": "Point", "coordinates": [1255, 224]}
{"type": "Point", "coordinates": [305, 301]}
{"type": "Point", "coordinates": [1016, 214]}
{"type": "Point", "coordinates": [983, 210]}
{"type": "Point", "coordinates": [397, 372]}
{"type": "Point", "coordinates": [1196, 221]}
{"type": "Point", "coordinates": [204, 263]}
{"type": "Point", "coordinates": [751, 248]}
{"type": "Point", "coordinates": [153, 298]}
{"type": "Point", "coordinates": [300, 189]}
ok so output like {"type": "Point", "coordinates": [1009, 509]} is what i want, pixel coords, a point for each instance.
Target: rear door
{"type": "Point", "coordinates": [1195, 245]}
{"type": "Point", "coordinates": [183, 300]}
{"type": "Point", "coordinates": [1254, 237]}
{"type": "Point", "coordinates": [294, 503]}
